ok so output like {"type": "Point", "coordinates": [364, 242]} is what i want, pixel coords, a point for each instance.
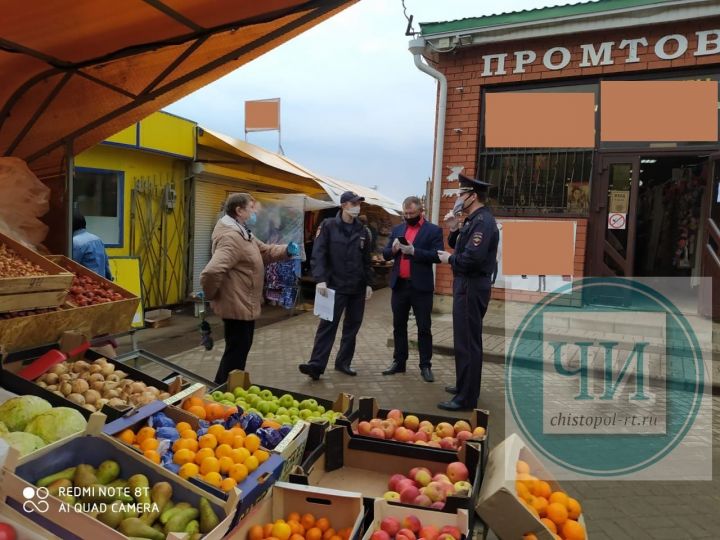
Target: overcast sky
{"type": "Point", "coordinates": [353, 104]}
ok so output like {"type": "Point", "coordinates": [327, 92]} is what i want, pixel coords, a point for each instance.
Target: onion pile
{"type": "Point", "coordinates": [94, 384]}
{"type": "Point", "coordinates": [14, 265]}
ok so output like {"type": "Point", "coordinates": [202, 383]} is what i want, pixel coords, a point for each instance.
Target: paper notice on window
{"type": "Point", "coordinates": [325, 305]}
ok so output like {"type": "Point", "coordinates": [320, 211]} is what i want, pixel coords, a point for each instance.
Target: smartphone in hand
{"type": "Point", "coordinates": [403, 241]}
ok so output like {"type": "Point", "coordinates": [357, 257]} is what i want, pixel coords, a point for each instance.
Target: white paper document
{"type": "Point", "coordinates": [325, 305]}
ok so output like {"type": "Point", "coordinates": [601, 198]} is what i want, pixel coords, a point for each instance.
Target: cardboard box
{"type": "Point", "coordinates": [344, 509]}
{"type": "Point", "coordinates": [383, 509]}
{"type": "Point", "coordinates": [158, 317]}
{"type": "Point", "coordinates": [345, 460]}
{"type": "Point", "coordinates": [498, 504]}
{"type": "Point", "coordinates": [67, 522]}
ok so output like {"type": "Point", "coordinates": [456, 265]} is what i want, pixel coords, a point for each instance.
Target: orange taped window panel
{"type": "Point", "coordinates": [539, 120]}
{"type": "Point", "coordinates": [538, 248]}
{"type": "Point", "coordinates": [663, 111]}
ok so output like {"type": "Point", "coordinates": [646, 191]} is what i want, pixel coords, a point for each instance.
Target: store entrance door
{"type": "Point", "coordinates": [710, 248]}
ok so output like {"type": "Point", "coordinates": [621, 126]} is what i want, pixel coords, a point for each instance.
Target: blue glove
{"type": "Point", "coordinates": [293, 250]}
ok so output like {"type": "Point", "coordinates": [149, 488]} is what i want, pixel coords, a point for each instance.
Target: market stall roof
{"type": "Point", "coordinates": [335, 188]}
{"type": "Point", "coordinates": [75, 73]}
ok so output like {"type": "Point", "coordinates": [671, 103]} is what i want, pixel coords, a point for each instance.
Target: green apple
{"type": "Point", "coordinates": [293, 411]}
{"type": "Point", "coordinates": [305, 414]}
{"type": "Point", "coordinates": [254, 390]}
{"type": "Point", "coordinates": [286, 400]}
{"type": "Point", "coordinates": [229, 396]}
{"type": "Point", "coordinates": [270, 415]}
{"type": "Point", "coordinates": [295, 404]}
{"type": "Point", "coordinates": [227, 403]}
{"type": "Point", "coordinates": [263, 407]}
{"type": "Point", "coordinates": [305, 404]}
{"type": "Point", "coordinates": [320, 409]}
{"type": "Point", "coordinates": [281, 411]}
{"type": "Point", "coordinates": [240, 392]}
{"type": "Point", "coordinates": [284, 419]}
{"type": "Point", "coordinates": [273, 406]}
{"type": "Point", "coordinates": [266, 394]}
{"type": "Point", "coordinates": [217, 395]}
{"type": "Point", "coordinates": [253, 410]}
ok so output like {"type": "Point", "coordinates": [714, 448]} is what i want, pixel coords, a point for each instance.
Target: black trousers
{"type": "Point", "coordinates": [404, 297]}
{"type": "Point", "coordinates": [470, 302]}
{"type": "Point", "coordinates": [353, 305]}
{"type": "Point", "coordinates": [238, 340]}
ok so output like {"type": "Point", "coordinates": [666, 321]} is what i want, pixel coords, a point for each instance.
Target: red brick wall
{"type": "Point", "coordinates": [463, 69]}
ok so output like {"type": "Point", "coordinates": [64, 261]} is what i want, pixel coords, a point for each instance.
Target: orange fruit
{"type": "Point", "coordinates": [208, 441]}
{"type": "Point", "coordinates": [188, 470]}
{"type": "Point", "coordinates": [237, 431]}
{"type": "Point", "coordinates": [261, 455]}
{"type": "Point", "coordinates": [252, 463]}
{"type": "Point", "coordinates": [145, 433]}
{"type": "Point", "coordinates": [281, 530]}
{"type": "Point", "coordinates": [572, 530]}
{"type": "Point", "coordinates": [214, 479]}
{"type": "Point", "coordinates": [181, 457]}
{"type": "Point", "coordinates": [193, 402]}
{"type": "Point", "coordinates": [574, 508]}
{"type": "Point", "coordinates": [226, 437]}
{"type": "Point", "coordinates": [228, 484]}
{"type": "Point", "coordinates": [540, 504]}
{"type": "Point", "coordinates": [327, 535]}
{"type": "Point", "coordinates": [188, 434]}
{"type": "Point", "coordinates": [190, 444]}
{"type": "Point", "coordinates": [238, 441]}
{"type": "Point", "coordinates": [558, 497]}
{"type": "Point", "coordinates": [522, 467]}
{"type": "Point", "coordinates": [214, 411]}
{"type": "Point", "coordinates": [224, 450]}
{"type": "Point", "coordinates": [522, 491]}
{"type": "Point", "coordinates": [217, 430]}
{"type": "Point", "coordinates": [549, 524]}
{"type": "Point", "coordinates": [198, 410]}
{"type": "Point", "coordinates": [127, 436]}
{"type": "Point", "coordinates": [297, 537]}
{"type": "Point", "coordinates": [323, 524]}
{"type": "Point", "coordinates": [203, 453]}
{"type": "Point", "coordinates": [345, 533]}
{"type": "Point", "coordinates": [238, 472]}
{"type": "Point", "coordinates": [209, 465]}
{"type": "Point", "coordinates": [530, 536]}
{"type": "Point", "coordinates": [256, 533]}
{"type": "Point", "coordinates": [152, 455]}
{"type": "Point", "coordinates": [307, 521]}
{"type": "Point", "coordinates": [541, 489]}
{"type": "Point", "coordinates": [335, 537]}
{"type": "Point", "coordinates": [313, 534]}
{"type": "Point", "coordinates": [226, 464]}
{"type": "Point", "coordinates": [531, 509]}
{"type": "Point", "coordinates": [267, 530]}
{"type": "Point", "coordinates": [182, 426]}
{"type": "Point", "coordinates": [239, 455]}
{"type": "Point", "coordinates": [252, 442]}
{"type": "Point", "coordinates": [557, 512]}
{"type": "Point", "coordinates": [149, 444]}
{"type": "Point", "coordinates": [295, 526]}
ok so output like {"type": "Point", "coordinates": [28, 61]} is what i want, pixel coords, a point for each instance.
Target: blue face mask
{"type": "Point", "coordinates": [252, 220]}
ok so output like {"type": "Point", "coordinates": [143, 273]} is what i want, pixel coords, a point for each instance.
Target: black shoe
{"type": "Point", "coordinates": [310, 371]}
{"type": "Point", "coordinates": [451, 389]}
{"type": "Point", "coordinates": [427, 374]}
{"type": "Point", "coordinates": [346, 370]}
{"type": "Point", "coordinates": [394, 368]}
{"type": "Point", "coordinates": [453, 405]}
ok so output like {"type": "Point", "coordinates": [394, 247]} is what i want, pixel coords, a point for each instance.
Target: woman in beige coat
{"type": "Point", "coordinates": [233, 279]}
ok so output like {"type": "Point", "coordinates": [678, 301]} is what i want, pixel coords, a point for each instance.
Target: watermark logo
{"type": "Point", "coordinates": [35, 500]}
{"type": "Point", "coordinates": [607, 391]}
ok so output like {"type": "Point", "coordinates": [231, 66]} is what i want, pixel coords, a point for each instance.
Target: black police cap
{"type": "Point", "coordinates": [472, 184]}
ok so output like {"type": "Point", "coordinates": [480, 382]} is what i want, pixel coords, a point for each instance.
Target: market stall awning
{"type": "Point", "coordinates": [75, 73]}
{"type": "Point", "coordinates": [335, 188]}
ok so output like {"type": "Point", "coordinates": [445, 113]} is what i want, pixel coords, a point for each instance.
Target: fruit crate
{"type": "Point", "coordinates": [316, 431]}
{"type": "Point", "coordinates": [12, 363]}
{"type": "Point", "coordinates": [498, 504]}
{"type": "Point", "coordinates": [249, 491]}
{"type": "Point", "coordinates": [343, 508]}
{"type": "Point", "coordinates": [345, 460]}
{"type": "Point", "coordinates": [383, 509]}
{"type": "Point", "coordinates": [69, 523]}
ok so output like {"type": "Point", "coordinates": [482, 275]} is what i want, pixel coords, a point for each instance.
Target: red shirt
{"type": "Point", "coordinates": [410, 234]}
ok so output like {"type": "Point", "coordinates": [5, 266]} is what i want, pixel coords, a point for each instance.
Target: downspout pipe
{"type": "Point", "coordinates": [416, 48]}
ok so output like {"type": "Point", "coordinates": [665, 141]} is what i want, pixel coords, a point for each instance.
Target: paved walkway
{"type": "Point", "coordinates": [614, 510]}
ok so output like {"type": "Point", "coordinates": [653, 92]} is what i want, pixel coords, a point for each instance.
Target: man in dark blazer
{"type": "Point", "coordinates": [413, 284]}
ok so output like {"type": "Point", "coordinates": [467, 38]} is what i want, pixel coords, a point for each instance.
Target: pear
{"type": "Point", "coordinates": [66, 474]}
{"type": "Point", "coordinates": [135, 527]}
{"type": "Point", "coordinates": [160, 494]}
{"type": "Point", "coordinates": [180, 520]}
{"type": "Point", "coordinates": [140, 488]}
{"type": "Point", "coordinates": [208, 517]}
{"type": "Point", "coordinates": [108, 471]}
{"type": "Point", "coordinates": [84, 476]}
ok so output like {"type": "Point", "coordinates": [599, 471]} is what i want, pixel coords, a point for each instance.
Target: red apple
{"type": "Point", "coordinates": [461, 425]}
{"type": "Point", "coordinates": [444, 429]}
{"type": "Point", "coordinates": [462, 437]}
{"type": "Point", "coordinates": [391, 496]}
{"type": "Point", "coordinates": [423, 477]}
{"type": "Point", "coordinates": [394, 479]}
{"type": "Point", "coordinates": [405, 534]}
{"type": "Point", "coordinates": [390, 525]}
{"type": "Point", "coordinates": [427, 427]}
{"type": "Point", "coordinates": [448, 443]}
{"type": "Point", "coordinates": [422, 500]}
{"type": "Point", "coordinates": [406, 483]}
{"type": "Point", "coordinates": [388, 426]}
{"type": "Point", "coordinates": [434, 444]}
{"type": "Point", "coordinates": [463, 487]}
{"type": "Point", "coordinates": [457, 471]}
{"type": "Point", "coordinates": [421, 443]}
{"type": "Point", "coordinates": [434, 491]}
{"type": "Point", "coordinates": [452, 531]}
{"type": "Point", "coordinates": [408, 494]}
{"type": "Point", "coordinates": [377, 433]}
{"type": "Point", "coordinates": [380, 535]}
{"type": "Point", "coordinates": [438, 505]}
{"type": "Point", "coordinates": [412, 422]}
{"type": "Point", "coordinates": [429, 532]}
{"type": "Point", "coordinates": [403, 434]}
{"type": "Point", "coordinates": [479, 431]}
{"type": "Point", "coordinates": [421, 436]}
{"type": "Point", "coordinates": [364, 428]}
{"type": "Point", "coordinates": [441, 478]}
{"type": "Point", "coordinates": [375, 422]}
{"type": "Point", "coordinates": [396, 416]}
{"type": "Point", "coordinates": [446, 536]}
{"type": "Point", "coordinates": [412, 522]}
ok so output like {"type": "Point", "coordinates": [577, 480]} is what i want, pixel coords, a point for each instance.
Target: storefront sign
{"type": "Point", "coordinates": [617, 221]}
{"type": "Point", "coordinates": [619, 201]}
{"type": "Point", "coordinates": [668, 47]}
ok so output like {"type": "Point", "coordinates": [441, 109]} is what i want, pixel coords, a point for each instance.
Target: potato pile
{"type": "Point", "coordinates": [13, 265]}
{"type": "Point", "coordinates": [92, 385]}
{"type": "Point", "coordinates": [27, 313]}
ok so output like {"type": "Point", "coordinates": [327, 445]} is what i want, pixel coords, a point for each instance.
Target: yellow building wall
{"type": "Point", "coordinates": [157, 236]}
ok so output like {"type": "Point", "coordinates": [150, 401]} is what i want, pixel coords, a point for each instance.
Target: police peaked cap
{"type": "Point", "coordinates": [472, 184]}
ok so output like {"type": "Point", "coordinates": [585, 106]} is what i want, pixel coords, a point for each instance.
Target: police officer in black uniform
{"type": "Point", "coordinates": [341, 261]}
{"type": "Point", "coordinates": [473, 264]}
